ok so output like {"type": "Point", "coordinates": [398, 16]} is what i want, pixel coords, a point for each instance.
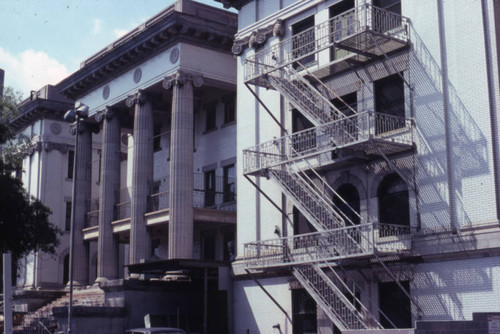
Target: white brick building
{"type": "Point", "coordinates": [376, 122]}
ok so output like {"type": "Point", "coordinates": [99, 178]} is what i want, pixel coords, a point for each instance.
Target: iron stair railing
{"type": "Point", "coordinates": [274, 67]}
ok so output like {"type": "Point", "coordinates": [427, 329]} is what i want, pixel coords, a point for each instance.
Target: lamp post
{"type": "Point", "coordinates": [81, 111]}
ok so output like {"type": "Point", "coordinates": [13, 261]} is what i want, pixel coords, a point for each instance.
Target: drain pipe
{"type": "Point", "coordinates": [490, 74]}
{"type": "Point", "coordinates": [450, 161]}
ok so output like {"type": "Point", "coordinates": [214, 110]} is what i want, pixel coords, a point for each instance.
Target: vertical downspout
{"type": "Point", "coordinates": [450, 162]}
{"type": "Point", "coordinates": [490, 74]}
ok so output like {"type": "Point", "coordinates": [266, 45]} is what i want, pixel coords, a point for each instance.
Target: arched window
{"type": "Point", "coordinates": [350, 195]}
{"type": "Point", "coordinates": [393, 203]}
{"type": "Point", "coordinates": [66, 269]}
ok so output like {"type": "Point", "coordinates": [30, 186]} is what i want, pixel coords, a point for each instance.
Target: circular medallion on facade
{"type": "Point", "coordinates": [137, 75]}
{"type": "Point", "coordinates": [174, 55]}
{"type": "Point", "coordinates": [55, 128]}
{"type": "Point", "coordinates": [105, 92]}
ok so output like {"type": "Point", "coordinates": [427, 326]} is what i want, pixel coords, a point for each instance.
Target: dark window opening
{"type": "Point", "coordinates": [389, 103]}
{"type": "Point", "coordinates": [394, 304]}
{"type": "Point", "coordinates": [67, 217]}
{"type": "Point", "coordinates": [209, 247]}
{"type": "Point", "coordinates": [210, 188]}
{"type": "Point", "coordinates": [100, 167]}
{"type": "Point", "coordinates": [229, 180]}
{"type": "Point", "coordinates": [211, 114]}
{"type": "Point", "coordinates": [302, 142]}
{"type": "Point", "coordinates": [393, 201]}
{"type": "Point", "coordinates": [71, 163]}
{"type": "Point", "coordinates": [300, 223]}
{"type": "Point", "coordinates": [341, 27]}
{"type": "Point", "coordinates": [385, 20]}
{"type": "Point", "coordinates": [303, 42]}
{"type": "Point", "coordinates": [157, 139]}
{"type": "Point", "coordinates": [304, 316]}
{"type": "Point", "coordinates": [350, 102]}
{"type": "Point", "coordinates": [350, 202]}
{"type": "Point", "coordinates": [393, 6]}
{"type": "Point", "coordinates": [66, 269]}
{"type": "Point", "coordinates": [230, 109]}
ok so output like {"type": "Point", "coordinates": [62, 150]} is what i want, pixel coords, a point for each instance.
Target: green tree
{"type": "Point", "coordinates": [24, 220]}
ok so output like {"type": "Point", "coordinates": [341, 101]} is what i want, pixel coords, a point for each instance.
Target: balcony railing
{"type": "Point", "coordinates": [358, 128]}
{"type": "Point", "coordinates": [353, 241]}
{"type": "Point", "coordinates": [359, 20]}
{"type": "Point", "coordinates": [219, 196]}
{"type": "Point", "coordinates": [92, 215]}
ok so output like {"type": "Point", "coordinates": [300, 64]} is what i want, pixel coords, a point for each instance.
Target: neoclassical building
{"type": "Point", "coordinates": [155, 204]}
{"type": "Point", "coordinates": [368, 170]}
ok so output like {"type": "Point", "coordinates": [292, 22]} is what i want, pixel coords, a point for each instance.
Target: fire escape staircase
{"type": "Point", "coordinates": [315, 259]}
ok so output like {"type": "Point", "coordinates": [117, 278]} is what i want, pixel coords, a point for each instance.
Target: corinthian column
{"type": "Point", "coordinates": [142, 174]}
{"type": "Point", "coordinates": [107, 254]}
{"type": "Point", "coordinates": [180, 228]}
{"type": "Point", "coordinates": [83, 174]}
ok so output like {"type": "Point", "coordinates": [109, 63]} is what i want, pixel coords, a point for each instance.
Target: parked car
{"type": "Point", "coordinates": [155, 330]}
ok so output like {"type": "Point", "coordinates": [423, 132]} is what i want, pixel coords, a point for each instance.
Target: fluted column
{"type": "Point", "coordinates": [83, 178]}
{"type": "Point", "coordinates": [180, 229]}
{"type": "Point", "coordinates": [107, 246]}
{"type": "Point", "coordinates": [142, 174]}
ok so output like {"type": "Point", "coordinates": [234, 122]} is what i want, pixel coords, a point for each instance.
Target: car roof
{"type": "Point", "coordinates": [156, 330]}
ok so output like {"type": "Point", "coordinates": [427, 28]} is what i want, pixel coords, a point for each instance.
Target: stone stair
{"type": "Point", "coordinates": [43, 321]}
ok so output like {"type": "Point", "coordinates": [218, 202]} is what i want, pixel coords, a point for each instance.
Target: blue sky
{"type": "Point", "coordinates": [43, 41]}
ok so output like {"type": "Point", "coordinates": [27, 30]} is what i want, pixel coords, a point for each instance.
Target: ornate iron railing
{"type": "Point", "coordinates": [325, 35]}
{"type": "Point", "coordinates": [350, 130]}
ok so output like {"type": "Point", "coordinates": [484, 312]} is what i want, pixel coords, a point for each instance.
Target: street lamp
{"type": "Point", "coordinates": [81, 111]}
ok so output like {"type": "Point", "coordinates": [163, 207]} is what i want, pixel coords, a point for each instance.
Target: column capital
{"type": "Point", "coordinates": [84, 127]}
{"type": "Point", "coordinates": [138, 98]}
{"type": "Point", "coordinates": [180, 78]}
{"type": "Point", "coordinates": [106, 113]}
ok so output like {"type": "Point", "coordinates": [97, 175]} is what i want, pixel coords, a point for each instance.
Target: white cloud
{"type": "Point", "coordinates": [31, 70]}
{"type": "Point", "coordinates": [96, 27]}
{"type": "Point", "coordinates": [120, 32]}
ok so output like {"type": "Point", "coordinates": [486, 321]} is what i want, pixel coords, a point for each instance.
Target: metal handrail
{"type": "Point", "coordinates": [344, 242]}
{"type": "Point", "coordinates": [327, 137]}
{"type": "Point", "coordinates": [324, 35]}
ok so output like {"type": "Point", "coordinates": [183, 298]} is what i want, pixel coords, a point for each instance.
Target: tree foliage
{"type": "Point", "coordinates": [24, 220]}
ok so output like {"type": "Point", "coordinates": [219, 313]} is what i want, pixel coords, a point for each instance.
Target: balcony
{"type": "Point", "coordinates": [356, 241]}
{"type": "Point", "coordinates": [219, 196]}
{"type": "Point", "coordinates": [360, 133]}
{"type": "Point", "coordinates": [365, 32]}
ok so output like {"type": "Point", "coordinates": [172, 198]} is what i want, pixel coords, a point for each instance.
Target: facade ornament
{"type": "Point", "coordinates": [180, 78]}
{"type": "Point", "coordinates": [137, 98]}
{"type": "Point", "coordinates": [49, 146]}
{"type": "Point", "coordinates": [259, 37]}
{"type": "Point", "coordinates": [237, 48]}
{"type": "Point", "coordinates": [279, 28]}
{"type": "Point", "coordinates": [84, 127]}
{"type": "Point", "coordinates": [107, 113]}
